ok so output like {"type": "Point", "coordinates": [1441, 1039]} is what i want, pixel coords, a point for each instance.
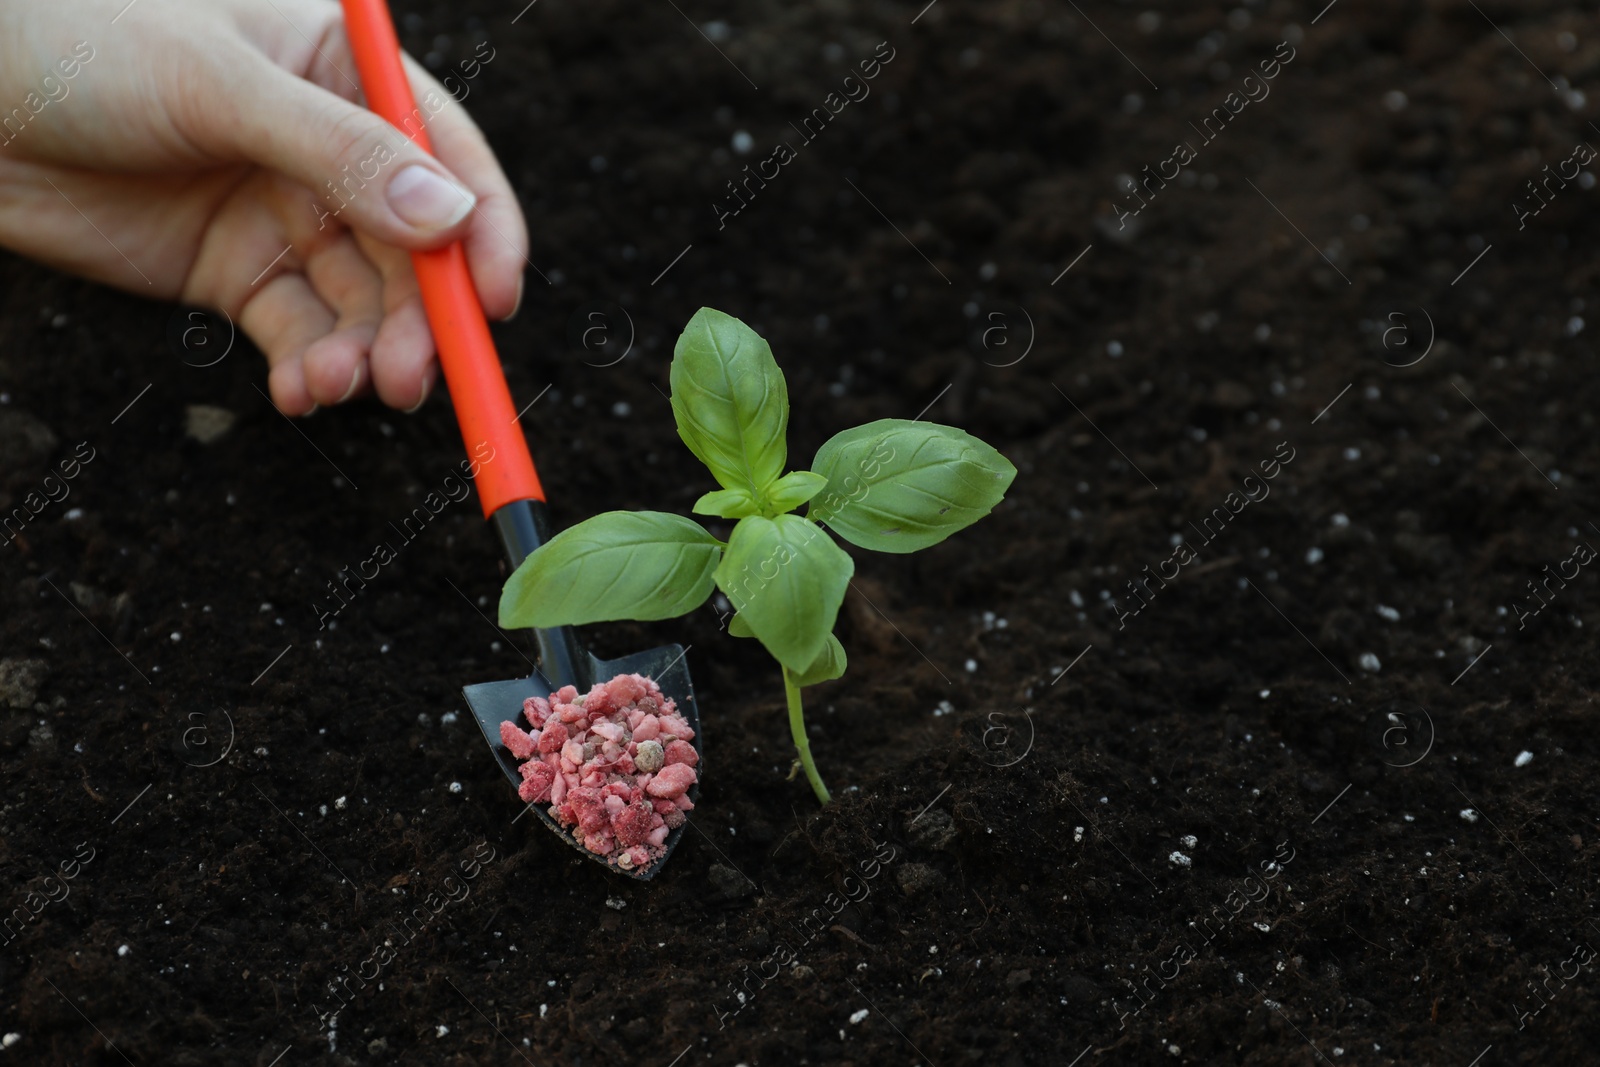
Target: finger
{"type": "Point", "coordinates": [336, 365]}
{"type": "Point", "coordinates": [334, 65]}
{"type": "Point", "coordinates": [283, 318]}
{"type": "Point", "coordinates": [404, 371]}
{"type": "Point", "coordinates": [497, 238]}
{"type": "Point", "coordinates": [368, 174]}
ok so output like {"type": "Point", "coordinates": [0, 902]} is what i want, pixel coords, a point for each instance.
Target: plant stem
{"type": "Point", "coordinates": [797, 728]}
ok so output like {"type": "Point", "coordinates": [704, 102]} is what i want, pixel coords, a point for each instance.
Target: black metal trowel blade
{"type": "Point", "coordinates": [493, 703]}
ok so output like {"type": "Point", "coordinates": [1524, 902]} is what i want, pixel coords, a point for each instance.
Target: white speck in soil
{"type": "Point", "coordinates": [10, 1039]}
{"type": "Point", "coordinates": [1114, 349]}
{"type": "Point", "coordinates": [972, 666]}
{"type": "Point", "coordinates": [859, 1017]}
{"type": "Point", "coordinates": [1369, 662]}
{"type": "Point", "coordinates": [455, 787]}
{"type": "Point", "coordinates": [442, 1030]}
{"type": "Point", "coordinates": [621, 409]}
{"type": "Point", "coordinates": [616, 903]}
{"type": "Point", "coordinates": [1468, 815]}
{"type": "Point", "coordinates": [743, 142]}
{"type": "Point", "coordinates": [1189, 840]}
{"type": "Point", "coordinates": [448, 718]}
{"type": "Point", "coordinates": [1264, 928]}
{"type": "Point", "coordinates": [1077, 835]}
{"type": "Point", "coordinates": [1389, 613]}
{"type": "Point", "coordinates": [339, 804]}
{"type": "Point", "coordinates": [1178, 859]}
{"type": "Point", "coordinates": [1524, 758]}
{"type": "Point", "coordinates": [123, 950]}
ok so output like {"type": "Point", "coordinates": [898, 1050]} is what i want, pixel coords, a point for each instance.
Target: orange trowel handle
{"type": "Point", "coordinates": [460, 331]}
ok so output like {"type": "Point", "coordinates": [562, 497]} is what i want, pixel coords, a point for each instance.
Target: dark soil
{"type": "Point", "coordinates": [1025, 888]}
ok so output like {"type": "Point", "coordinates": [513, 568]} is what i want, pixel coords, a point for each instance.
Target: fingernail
{"type": "Point", "coordinates": [426, 200]}
{"type": "Point", "coordinates": [312, 412]}
{"type": "Point", "coordinates": [427, 387]}
{"type": "Point", "coordinates": [516, 307]}
{"type": "Point", "coordinates": [355, 383]}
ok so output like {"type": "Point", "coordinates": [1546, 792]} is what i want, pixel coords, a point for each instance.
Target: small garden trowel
{"type": "Point", "coordinates": [507, 483]}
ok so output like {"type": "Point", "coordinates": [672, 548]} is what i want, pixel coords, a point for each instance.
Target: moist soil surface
{"type": "Point", "coordinates": [1318, 792]}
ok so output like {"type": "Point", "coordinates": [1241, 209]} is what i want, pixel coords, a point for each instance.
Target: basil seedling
{"type": "Point", "coordinates": [890, 486]}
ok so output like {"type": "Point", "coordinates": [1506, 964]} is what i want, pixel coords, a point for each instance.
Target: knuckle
{"type": "Point", "coordinates": [352, 136]}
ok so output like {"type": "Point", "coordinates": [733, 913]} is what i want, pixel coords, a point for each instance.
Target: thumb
{"type": "Point", "coordinates": [361, 170]}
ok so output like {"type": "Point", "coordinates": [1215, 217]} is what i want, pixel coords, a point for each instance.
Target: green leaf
{"type": "Point", "coordinates": [727, 504]}
{"type": "Point", "coordinates": [786, 577]}
{"type": "Point", "coordinates": [792, 490]}
{"type": "Point", "coordinates": [737, 627]}
{"type": "Point", "coordinates": [899, 486]}
{"type": "Point", "coordinates": [617, 565]}
{"type": "Point", "coordinates": [730, 401]}
{"type": "Point", "coordinates": [830, 664]}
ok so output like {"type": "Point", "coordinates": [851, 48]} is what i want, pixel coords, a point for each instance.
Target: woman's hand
{"type": "Point", "coordinates": [213, 152]}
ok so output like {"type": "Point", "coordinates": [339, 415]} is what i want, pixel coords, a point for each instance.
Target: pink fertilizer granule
{"type": "Point", "coordinates": [615, 765]}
